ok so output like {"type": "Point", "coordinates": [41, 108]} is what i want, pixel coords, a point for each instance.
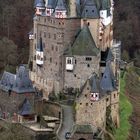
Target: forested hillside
{"type": "Point", "coordinates": [15, 23]}
{"type": "Point", "coordinates": [127, 27]}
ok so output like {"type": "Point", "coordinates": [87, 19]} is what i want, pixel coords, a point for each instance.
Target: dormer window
{"type": "Point", "coordinates": [69, 63]}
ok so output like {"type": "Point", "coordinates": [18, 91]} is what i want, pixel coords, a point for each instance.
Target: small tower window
{"type": "Point", "coordinates": [88, 65]}
{"type": "Point", "coordinates": [69, 61]}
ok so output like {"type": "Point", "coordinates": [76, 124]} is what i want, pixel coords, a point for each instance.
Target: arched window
{"type": "Point", "coordinates": [69, 61]}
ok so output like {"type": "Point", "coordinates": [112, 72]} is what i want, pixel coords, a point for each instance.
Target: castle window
{"type": "Point", "coordinates": [56, 63]}
{"type": "Point", "coordinates": [107, 99]}
{"type": "Point", "coordinates": [80, 103]}
{"type": "Point", "coordinates": [35, 46]}
{"type": "Point", "coordinates": [45, 34]}
{"type": "Point", "coordinates": [85, 95]}
{"type": "Point", "coordinates": [91, 103]}
{"type": "Point", "coordinates": [87, 88]}
{"type": "Point", "coordinates": [86, 10]}
{"type": "Point", "coordinates": [86, 104]}
{"type": "Point", "coordinates": [74, 75]}
{"type": "Point", "coordinates": [52, 48]}
{"type": "Point", "coordinates": [92, 11]}
{"type": "Point", "coordinates": [35, 35]}
{"type": "Point", "coordinates": [54, 36]}
{"type": "Point", "coordinates": [88, 65]}
{"type": "Point", "coordinates": [69, 61]}
{"type": "Point", "coordinates": [49, 35]}
{"type": "Point", "coordinates": [50, 60]}
{"type": "Point", "coordinates": [56, 48]}
{"type": "Point", "coordinates": [88, 58]}
{"type": "Point", "coordinates": [114, 95]}
{"type": "Point", "coordinates": [75, 61]}
{"type": "Point", "coordinates": [88, 23]}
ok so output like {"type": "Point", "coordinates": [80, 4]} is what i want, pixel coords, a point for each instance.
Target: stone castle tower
{"type": "Point", "coordinates": [71, 48]}
{"type": "Point", "coordinates": [61, 30]}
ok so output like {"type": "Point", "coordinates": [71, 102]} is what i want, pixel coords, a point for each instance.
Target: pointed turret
{"type": "Point", "coordinates": [108, 80]}
{"type": "Point", "coordinates": [39, 53]}
{"type": "Point", "coordinates": [26, 108]}
{"type": "Point", "coordinates": [94, 88]}
{"type": "Point", "coordinates": [60, 10]}
{"type": "Point", "coordinates": [110, 56]}
{"type": "Point", "coordinates": [90, 9]}
{"type": "Point", "coordinates": [22, 82]}
{"type": "Point", "coordinates": [40, 6]}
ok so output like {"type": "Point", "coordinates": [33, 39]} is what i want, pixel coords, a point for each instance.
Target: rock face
{"type": "Point", "coordinates": [16, 20]}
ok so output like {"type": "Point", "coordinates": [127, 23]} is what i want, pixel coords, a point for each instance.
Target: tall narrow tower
{"type": "Point", "coordinates": [73, 8]}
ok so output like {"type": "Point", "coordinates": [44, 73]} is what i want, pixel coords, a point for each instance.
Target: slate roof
{"type": "Point", "coordinates": [105, 4]}
{"type": "Point", "coordinates": [107, 82]}
{"type": "Point", "coordinates": [40, 45]}
{"type": "Point", "coordinates": [90, 10]}
{"type": "Point", "coordinates": [39, 3]}
{"type": "Point", "coordinates": [84, 44]}
{"type": "Point", "coordinates": [22, 82]}
{"type": "Point", "coordinates": [60, 5]}
{"type": "Point", "coordinates": [51, 4]}
{"type": "Point", "coordinates": [26, 108]}
{"type": "Point", "coordinates": [94, 83]}
{"type": "Point", "coordinates": [110, 56]}
{"type": "Point", "coordinates": [7, 81]}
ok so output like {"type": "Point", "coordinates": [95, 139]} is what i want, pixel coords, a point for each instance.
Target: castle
{"type": "Point", "coordinates": [72, 51]}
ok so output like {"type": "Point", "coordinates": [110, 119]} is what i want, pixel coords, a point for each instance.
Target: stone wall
{"type": "Point", "coordinates": [83, 69]}
{"type": "Point", "coordinates": [94, 113]}
{"type": "Point", "coordinates": [48, 108]}
{"type": "Point", "coordinates": [89, 112]}
{"type": "Point", "coordinates": [115, 107]}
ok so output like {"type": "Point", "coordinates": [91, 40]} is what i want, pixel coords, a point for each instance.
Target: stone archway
{"type": "Point", "coordinates": [82, 139]}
